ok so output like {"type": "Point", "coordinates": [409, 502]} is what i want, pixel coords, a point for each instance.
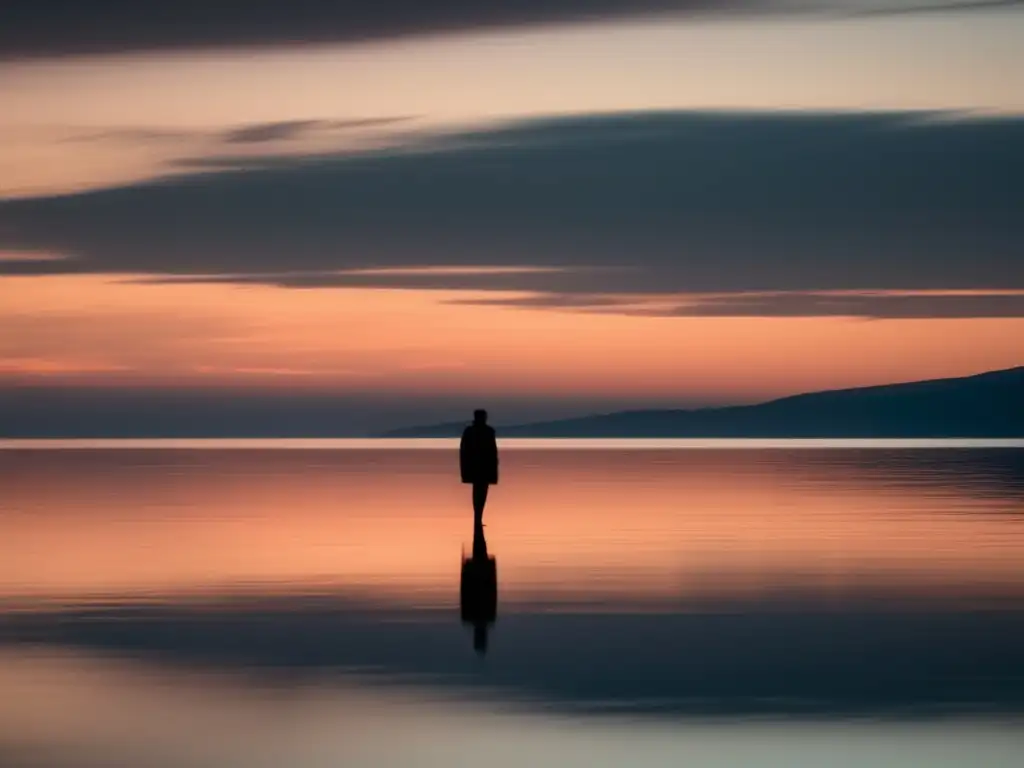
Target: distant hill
{"type": "Point", "coordinates": [986, 405]}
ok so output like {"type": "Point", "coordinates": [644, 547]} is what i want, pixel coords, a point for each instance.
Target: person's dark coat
{"type": "Point", "coordinates": [478, 455]}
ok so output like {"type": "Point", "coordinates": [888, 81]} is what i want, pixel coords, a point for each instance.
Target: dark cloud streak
{"type": "Point", "coordinates": [257, 133]}
{"type": "Point", "coordinates": [909, 8]}
{"type": "Point", "coordinates": [782, 304]}
{"type": "Point", "coordinates": [611, 206]}
{"type": "Point", "coordinates": [32, 29]}
{"type": "Point", "coordinates": [42, 28]}
{"type": "Point", "coordinates": [810, 304]}
{"type": "Point", "coordinates": [247, 133]}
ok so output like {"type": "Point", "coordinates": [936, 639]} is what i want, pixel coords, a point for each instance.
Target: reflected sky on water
{"type": "Point", "coordinates": [720, 606]}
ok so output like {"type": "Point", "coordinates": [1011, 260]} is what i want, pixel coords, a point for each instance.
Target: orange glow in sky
{"type": "Point", "coordinates": [74, 124]}
{"type": "Point", "coordinates": [102, 330]}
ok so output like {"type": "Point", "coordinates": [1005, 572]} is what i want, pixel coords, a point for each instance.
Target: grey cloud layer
{"type": "Point", "coordinates": [40, 28]}
{"type": "Point", "coordinates": [650, 204]}
{"type": "Point", "coordinates": [30, 28]}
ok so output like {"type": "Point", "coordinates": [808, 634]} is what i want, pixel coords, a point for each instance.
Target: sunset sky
{"type": "Point", "coordinates": [401, 211]}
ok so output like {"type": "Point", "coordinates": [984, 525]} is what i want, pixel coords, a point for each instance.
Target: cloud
{"type": "Point", "coordinates": [47, 366]}
{"type": "Point", "coordinates": [42, 28]}
{"type": "Point", "coordinates": [263, 132]}
{"type": "Point", "coordinates": [249, 133]}
{"type": "Point", "coordinates": [758, 213]}
{"type": "Point", "coordinates": [28, 257]}
{"type": "Point", "coordinates": [136, 135]}
{"type": "Point", "coordinates": [950, 6]}
{"type": "Point", "coordinates": [257, 133]}
{"type": "Point", "coordinates": [870, 305]}
{"type": "Point", "coordinates": [34, 28]}
{"type": "Point", "coordinates": [878, 305]}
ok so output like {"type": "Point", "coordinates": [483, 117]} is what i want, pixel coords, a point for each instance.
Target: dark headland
{"type": "Point", "coordinates": [988, 405]}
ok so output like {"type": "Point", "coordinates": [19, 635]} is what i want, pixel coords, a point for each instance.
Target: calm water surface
{"type": "Point", "coordinates": [297, 604]}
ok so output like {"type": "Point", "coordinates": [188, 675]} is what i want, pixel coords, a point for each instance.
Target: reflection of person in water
{"type": "Point", "coordinates": [478, 461]}
{"type": "Point", "coordinates": [479, 598]}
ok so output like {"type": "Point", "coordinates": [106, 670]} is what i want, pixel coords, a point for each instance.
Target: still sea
{"type": "Point", "coordinates": [296, 604]}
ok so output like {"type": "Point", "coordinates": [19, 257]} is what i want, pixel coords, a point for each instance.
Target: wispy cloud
{"type": "Point", "coordinates": [871, 305]}
{"type": "Point", "coordinates": [907, 7]}
{"type": "Point", "coordinates": [258, 133]}
{"type": "Point", "coordinates": [28, 257]}
{"type": "Point", "coordinates": [133, 135]}
{"type": "Point", "coordinates": [65, 158]}
{"type": "Point", "coordinates": [867, 304]}
{"type": "Point", "coordinates": [41, 366]}
{"type": "Point", "coordinates": [248, 133]}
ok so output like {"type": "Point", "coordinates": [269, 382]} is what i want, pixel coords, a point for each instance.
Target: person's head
{"type": "Point", "coordinates": [479, 416]}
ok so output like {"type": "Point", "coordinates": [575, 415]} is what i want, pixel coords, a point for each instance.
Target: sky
{"type": "Point", "coordinates": [397, 212]}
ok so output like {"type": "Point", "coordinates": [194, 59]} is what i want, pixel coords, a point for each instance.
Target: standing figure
{"type": "Point", "coordinates": [478, 460]}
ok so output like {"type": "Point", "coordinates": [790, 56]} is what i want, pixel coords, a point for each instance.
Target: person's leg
{"type": "Point", "coordinates": [479, 500]}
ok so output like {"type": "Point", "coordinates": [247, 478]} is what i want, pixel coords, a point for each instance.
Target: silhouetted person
{"type": "Point", "coordinates": [479, 544]}
{"type": "Point", "coordinates": [478, 461]}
